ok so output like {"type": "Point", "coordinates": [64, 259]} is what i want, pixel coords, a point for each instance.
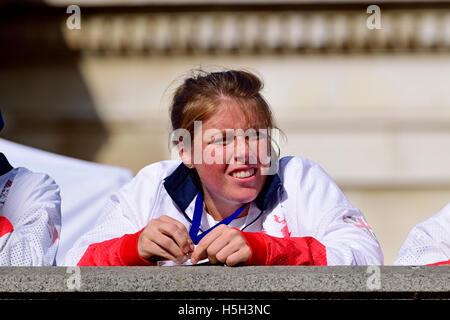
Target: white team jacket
{"type": "Point", "coordinates": [428, 242]}
{"type": "Point", "coordinates": [300, 200]}
{"type": "Point", "coordinates": [30, 217]}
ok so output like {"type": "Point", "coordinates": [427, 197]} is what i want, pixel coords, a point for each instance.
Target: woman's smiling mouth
{"type": "Point", "coordinates": [243, 173]}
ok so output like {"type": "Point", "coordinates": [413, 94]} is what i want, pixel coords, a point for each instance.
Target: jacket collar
{"type": "Point", "coordinates": [184, 183]}
{"type": "Point", "coordinates": [5, 167]}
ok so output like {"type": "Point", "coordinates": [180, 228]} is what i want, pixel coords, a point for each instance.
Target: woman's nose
{"type": "Point", "coordinates": [241, 150]}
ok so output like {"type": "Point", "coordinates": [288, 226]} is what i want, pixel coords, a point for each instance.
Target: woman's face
{"type": "Point", "coordinates": [232, 158]}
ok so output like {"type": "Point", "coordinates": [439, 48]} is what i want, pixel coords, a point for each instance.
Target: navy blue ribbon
{"type": "Point", "coordinates": [196, 220]}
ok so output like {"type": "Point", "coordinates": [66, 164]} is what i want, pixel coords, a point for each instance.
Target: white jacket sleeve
{"type": "Point", "coordinates": [428, 242]}
{"type": "Point", "coordinates": [33, 211]}
{"type": "Point", "coordinates": [326, 215]}
{"type": "Point", "coordinates": [126, 211]}
{"type": "Point", "coordinates": [348, 238]}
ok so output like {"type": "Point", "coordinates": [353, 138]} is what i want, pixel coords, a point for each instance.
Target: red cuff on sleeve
{"type": "Point", "coordinates": [268, 250]}
{"type": "Point", "coordinates": [440, 263]}
{"type": "Point", "coordinates": [5, 226]}
{"type": "Point", "coordinates": [129, 251]}
{"type": "Point", "coordinates": [258, 247]}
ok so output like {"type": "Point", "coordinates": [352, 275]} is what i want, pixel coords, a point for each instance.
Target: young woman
{"type": "Point", "coordinates": [230, 200]}
{"type": "Point", "coordinates": [428, 243]}
{"type": "Point", "coordinates": [30, 216]}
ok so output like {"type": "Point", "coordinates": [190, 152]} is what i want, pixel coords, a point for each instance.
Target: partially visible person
{"type": "Point", "coordinates": [30, 216]}
{"type": "Point", "coordinates": [428, 243]}
{"type": "Point", "coordinates": [78, 181]}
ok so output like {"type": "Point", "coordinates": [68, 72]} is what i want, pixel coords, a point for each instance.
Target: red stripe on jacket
{"type": "Point", "coordinates": [266, 250]}
{"type": "Point", "coordinates": [115, 252]}
{"type": "Point", "coordinates": [291, 251]}
{"type": "Point", "coordinates": [5, 226]}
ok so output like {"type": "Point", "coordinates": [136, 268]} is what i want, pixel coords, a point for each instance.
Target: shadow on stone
{"type": "Point", "coordinates": [43, 96]}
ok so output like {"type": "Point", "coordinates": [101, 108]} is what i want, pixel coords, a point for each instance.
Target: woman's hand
{"type": "Point", "coordinates": [165, 238]}
{"type": "Point", "coordinates": [223, 244]}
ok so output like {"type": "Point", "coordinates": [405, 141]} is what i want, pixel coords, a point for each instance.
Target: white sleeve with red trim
{"type": "Point", "coordinates": [348, 238]}
{"type": "Point", "coordinates": [125, 213]}
{"type": "Point", "coordinates": [428, 242]}
{"type": "Point", "coordinates": [30, 220]}
{"type": "Point", "coordinates": [315, 207]}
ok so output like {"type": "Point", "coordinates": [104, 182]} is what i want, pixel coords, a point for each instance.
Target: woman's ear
{"type": "Point", "coordinates": [185, 155]}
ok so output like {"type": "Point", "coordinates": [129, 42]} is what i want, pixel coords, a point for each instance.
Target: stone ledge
{"type": "Point", "coordinates": [211, 282]}
{"type": "Point", "coordinates": [226, 2]}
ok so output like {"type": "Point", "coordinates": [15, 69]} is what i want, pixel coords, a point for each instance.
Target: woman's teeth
{"type": "Point", "coordinates": [243, 173]}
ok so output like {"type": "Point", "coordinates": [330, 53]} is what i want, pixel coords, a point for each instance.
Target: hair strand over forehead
{"type": "Point", "coordinates": [201, 94]}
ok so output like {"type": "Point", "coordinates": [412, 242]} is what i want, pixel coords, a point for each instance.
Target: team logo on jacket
{"type": "Point", "coordinates": [276, 226]}
{"type": "Point", "coordinates": [358, 222]}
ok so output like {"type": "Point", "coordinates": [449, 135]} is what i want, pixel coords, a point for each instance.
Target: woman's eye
{"type": "Point", "coordinates": [255, 136]}
{"type": "Point", "coordinates": [227, 140]}
{"type": "Point", "coordinates": [221, 140]}
{"type": "Point", "coordinates": [262, 135]}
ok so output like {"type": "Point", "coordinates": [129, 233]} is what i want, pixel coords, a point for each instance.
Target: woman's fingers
{"type": "Point", "coordinates": [235, 252]}
{"type": "Point", "coordinates": [165, 237]}
{"type": "Point", "coordinates": [239, 256]}
{"type": "Point", "coordinates": [154, 249]}
{"type": "Point", "coordinates": [168, 238]}
{"type": "Point", "coordinates": [181, 235]}
{"type": "Point", "coordinates": [178, 233]}
{"type": "Point", "coordinates": [200, 252]}
{"type": "Point", "coordinates": [219, 244]}
{"type": "Point", "coordinates": [223, 244]}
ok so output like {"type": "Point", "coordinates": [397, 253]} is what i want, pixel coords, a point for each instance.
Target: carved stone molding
{"type": "Point", "coordinates": [260, 32]}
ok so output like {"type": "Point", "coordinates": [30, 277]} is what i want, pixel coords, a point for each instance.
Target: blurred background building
{"type": "Point", "coordinates": [371, 106]}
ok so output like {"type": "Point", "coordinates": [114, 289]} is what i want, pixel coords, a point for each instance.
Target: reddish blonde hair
{"type": "Point", "coordinates": [200, 95]}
